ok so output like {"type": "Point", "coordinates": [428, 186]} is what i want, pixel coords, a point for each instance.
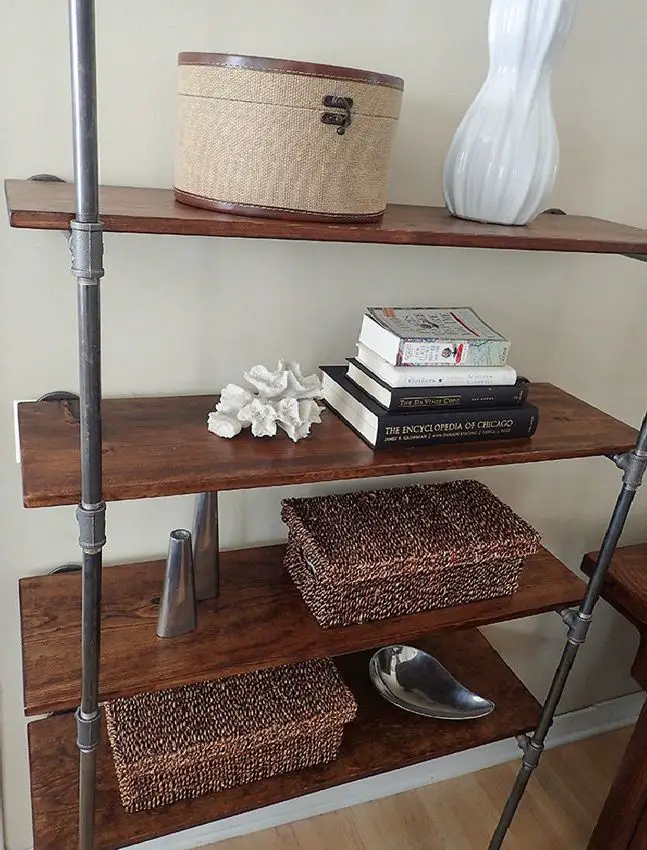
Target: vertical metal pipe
{"type": "Point", "coordinates": [87, 249]}
{"type": "Point", "coordinates": [89, 317]}
{"type": "Point", "coordinates": [634, 465]}
{"type": "Point", "coordinates": [84, 103]}
{"type": "Point", "coordinates": [87, 784]}
{"type": "Point", "coordinates": [90, 633]}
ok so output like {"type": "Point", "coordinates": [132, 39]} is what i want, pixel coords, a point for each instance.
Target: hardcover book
{"type": "Point", "coordinates": [409, 399]}
{"type": "Point", "coordinates": [432, 336]}
{"type": "Point", "coordinates": [382, 429]}
{"type": "Point", "coordinates": [435, 376]}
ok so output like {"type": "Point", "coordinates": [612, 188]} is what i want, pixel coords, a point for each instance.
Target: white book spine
{"type": "Point", "coordinates": [465, 377]}
{"type": "Point", "coordinates": [435, 376]}
{"type": "Point", "coordinates": [420, 353]}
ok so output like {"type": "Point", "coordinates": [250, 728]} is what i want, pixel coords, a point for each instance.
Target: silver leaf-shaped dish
{"type": "Point", "coordinates": [415, 681]}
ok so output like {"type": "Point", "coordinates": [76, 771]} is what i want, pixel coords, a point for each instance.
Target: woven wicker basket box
{"type": "Point", "coordinates": [386, 553]}
{"type": "Point", "coordinates": [285, 139]}
{"type": "Point", "coordinates": [199, 739]}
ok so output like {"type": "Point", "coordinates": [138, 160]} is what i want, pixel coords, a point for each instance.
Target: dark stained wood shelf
{"type": "Point", "coordinates": [161, 447]}
{"type": "Point", "coordinates": [259, 621]}
{"type": "Point", "coordinates": [50, 206]}
{"type": "Point", "coordinates": [382, 738]}
{"type": "Point", "coordinates": [625, 585]}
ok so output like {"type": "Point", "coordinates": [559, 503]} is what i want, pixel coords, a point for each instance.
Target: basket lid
{"type": "Point", "coordinates": [291, 66]}
{"type": "Point", "coordinates": [373, 534]}
{"type": "Point", "coordinates": [260, 706]}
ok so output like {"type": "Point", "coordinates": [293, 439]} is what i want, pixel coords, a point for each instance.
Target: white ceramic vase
{"type": "Point", "coordinates": [502, 162]}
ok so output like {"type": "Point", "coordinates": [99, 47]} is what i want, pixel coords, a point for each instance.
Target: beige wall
{"type": "Point", "coordinates": [187, 314]}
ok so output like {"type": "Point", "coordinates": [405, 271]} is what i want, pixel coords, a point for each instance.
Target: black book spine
{"type": "Point", "coordinates": [430, 399]}
{"type": "Point", "coordinates": [458, 426]}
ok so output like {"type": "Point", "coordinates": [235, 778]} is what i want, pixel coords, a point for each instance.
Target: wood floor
{"type": "Point", "coordinates": [558, 812]}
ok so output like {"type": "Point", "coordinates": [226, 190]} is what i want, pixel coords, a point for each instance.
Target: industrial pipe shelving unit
{"type": "Point", "coordinates": [48, 206]}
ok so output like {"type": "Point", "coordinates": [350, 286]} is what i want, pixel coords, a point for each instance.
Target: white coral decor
{"type": "Point", "coordinates": [284, 398]}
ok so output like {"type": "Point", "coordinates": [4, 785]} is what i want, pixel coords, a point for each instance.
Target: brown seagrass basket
{"type": "Point", "coordinates": [199, 739]}
{"type": "Point", "coordinates": [366, 556]}
{"type": "Point", "coordinates": [284, 139]}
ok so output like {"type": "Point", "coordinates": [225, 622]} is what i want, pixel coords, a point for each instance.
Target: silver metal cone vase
{"type": "Point", "coordinates": [177, 614]}
{"type": "Point", "coordinates": [205, 546]}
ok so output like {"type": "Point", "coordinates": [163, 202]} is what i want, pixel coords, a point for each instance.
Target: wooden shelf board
{"type": "Point", "coordinates": [625, 585]}
{"type": "Point", "coordinates": [382, 738]}
{"type": "Point", "coordinates": [259, 620]}
{"type": "Point", "coordinates": [161, 447]}
{"type": "Point", "coordinates": [125, 209]}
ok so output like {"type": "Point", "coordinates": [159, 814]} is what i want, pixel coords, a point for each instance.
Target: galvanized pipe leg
{"type": "Point", "coordinates": [91, 515]}
{"type": "Point", "coordinates": [633, 464]}
{"type": "Point", "coordinates": [86, 244]}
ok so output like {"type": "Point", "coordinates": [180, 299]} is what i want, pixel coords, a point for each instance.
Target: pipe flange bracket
{"type": "Point", "coordinates": [87, 730]}
{"type": "Point", "coordinates": [65, 568]}
{"type": "Point", "coordinates": [633, 464]}
{"type": "Point", "coordinates": [86, 247]}
{"type": "Point", "coordinates": [59, 395]}
{"type": "Point", "coordinates": [46, 178]}
{"type": "Point", "coordinates": [523, 742]}
{"type": "Point", "coordinates": [92, 527]}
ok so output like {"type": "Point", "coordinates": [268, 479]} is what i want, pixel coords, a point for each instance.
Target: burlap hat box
{"type": "Point", "coordinates": [365, 556]}
{"type": "Point", "coordinates": [284, 139]}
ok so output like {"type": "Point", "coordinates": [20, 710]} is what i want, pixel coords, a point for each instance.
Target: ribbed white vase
{"type": "Point", "coordinates": [502, 162]}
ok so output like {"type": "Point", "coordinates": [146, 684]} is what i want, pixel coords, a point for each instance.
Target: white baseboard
{"type": "Point", "coordinates": [567, 728]}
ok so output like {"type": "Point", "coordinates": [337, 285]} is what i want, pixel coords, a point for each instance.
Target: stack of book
{"type": "Point", "coordinates": [429, 375]}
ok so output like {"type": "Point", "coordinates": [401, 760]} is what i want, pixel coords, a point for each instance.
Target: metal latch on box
{"type": "Point", "coordinates": [341, 120]}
